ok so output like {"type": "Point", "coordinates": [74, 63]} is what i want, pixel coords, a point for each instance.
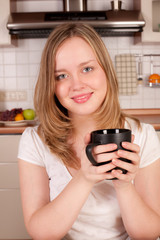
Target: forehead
{"type": "Point", "coordinates": [74, 47]}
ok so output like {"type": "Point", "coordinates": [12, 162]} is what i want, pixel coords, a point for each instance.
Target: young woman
{"type": "Point", "coordinates": [63, 195]}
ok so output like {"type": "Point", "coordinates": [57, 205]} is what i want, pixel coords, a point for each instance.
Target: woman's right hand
{"type": "Point", "coordinates": [101, 153]}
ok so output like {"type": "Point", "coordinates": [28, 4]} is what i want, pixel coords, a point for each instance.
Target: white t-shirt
{"type": "Point", "coordinates": [100, 217]}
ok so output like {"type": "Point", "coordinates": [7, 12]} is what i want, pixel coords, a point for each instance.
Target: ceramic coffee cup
{"type": "Point", "coordinates": [106, 136]}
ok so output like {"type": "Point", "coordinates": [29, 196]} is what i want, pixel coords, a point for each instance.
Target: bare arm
{"type": "Point", "coordinates": [139, 203]}
{"type": "Point", "coordinates": [52, 220]}
{"type": "Point", "coordinates": [44, 219]}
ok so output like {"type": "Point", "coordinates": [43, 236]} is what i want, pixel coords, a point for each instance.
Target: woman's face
{"type": "Point", "coordinates": [80, 81]}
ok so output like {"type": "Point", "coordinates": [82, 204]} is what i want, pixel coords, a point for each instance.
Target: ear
{"type": "Point", "coordinates": [133, 137]}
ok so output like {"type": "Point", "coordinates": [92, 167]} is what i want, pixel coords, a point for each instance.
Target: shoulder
{"type": "Point", "coordinates": [31, 147]}
{"type": "Point", "coordinates": [30, 137]}
{"type": "Point", "coordinates": [143, 129]}
{"type": "Point", "coordinates": [30, 132]}
{"type": "Point", "coordinates": [146, 137]}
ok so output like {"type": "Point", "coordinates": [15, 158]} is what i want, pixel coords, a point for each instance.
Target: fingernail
{"type": "Point", "coordinates": [124, 144]}
{"type": "Point", "coordinates": [120, 151]}
{"type": "Point", "coordinates": [114, 161]}
{"type": "Point", "coordinates": [114, 145]}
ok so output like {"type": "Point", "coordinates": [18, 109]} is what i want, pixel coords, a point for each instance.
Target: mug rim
{"type": "Point", "coordinates": [111, 131]}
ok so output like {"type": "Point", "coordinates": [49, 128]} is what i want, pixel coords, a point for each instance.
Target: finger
{"type": "Point", "coordinates": [104, 157]}
{"type": "Point", "coordinates": [104, 148]}
{"type": "Point", "coordinates": [131, 146]}
{"type": "Point", "coordinates": [87, 138]}
{"type": "Point", "coordinates": [103, 172]}
{"type": "Point", "coordinates": [130, 167]}
{"type": "Point", "coordinates": [132, 156]}
{"type": "Point", "coordinates": [120, 176]}
{"type": "Point", "coordinates": [102, 168]}
{"type": "Point", "coordinates": [133, 137]}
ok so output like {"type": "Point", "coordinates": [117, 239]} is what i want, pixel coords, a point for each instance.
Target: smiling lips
{"type": "Point", "coordinates": [82, 98]}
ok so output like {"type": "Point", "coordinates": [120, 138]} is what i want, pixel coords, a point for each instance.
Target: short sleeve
{"type": "Point", "coordinates": [149, 144]}
{"type": "Point", "coordinates": [31, 147]}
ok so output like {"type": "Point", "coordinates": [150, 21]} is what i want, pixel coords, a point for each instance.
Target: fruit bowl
{"type": "Point", "coordinates": [20, 123]}
{"type": "Point", "coordinates": [18, 117]}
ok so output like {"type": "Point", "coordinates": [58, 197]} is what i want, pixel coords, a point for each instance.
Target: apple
{"type": "Point", "coordinates": [28, 114]}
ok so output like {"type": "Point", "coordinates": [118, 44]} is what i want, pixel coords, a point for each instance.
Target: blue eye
{"type": "Point", "coordinates": [61, 76]}
{"type": "Point", "coordinates": [87, 69]}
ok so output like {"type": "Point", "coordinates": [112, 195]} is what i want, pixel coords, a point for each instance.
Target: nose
{"type": "Point", "coordinates": [77, 82]}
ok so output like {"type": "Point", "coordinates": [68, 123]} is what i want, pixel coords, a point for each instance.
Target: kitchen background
{"type": "Point", "coordinates": [19, 65]}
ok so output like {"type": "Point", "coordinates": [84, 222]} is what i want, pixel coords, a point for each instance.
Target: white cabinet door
{"type": "Point", "coordinates": [150, 10]}
{"type": "Point", "coordinates": [5, 38]}
{"type": "Point", "coordinates": [11, 216]}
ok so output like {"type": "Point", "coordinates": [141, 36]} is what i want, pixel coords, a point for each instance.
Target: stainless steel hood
{"type": "Point", "coordinates": [106, 23]}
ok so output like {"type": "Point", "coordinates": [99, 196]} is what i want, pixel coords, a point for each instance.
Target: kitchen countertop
{"type": "Point", "coordinates": [151, 116]}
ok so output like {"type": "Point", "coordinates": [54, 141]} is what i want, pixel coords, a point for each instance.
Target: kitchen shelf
{"type": "Point", "coordinates": [153, 85]}
{"type": "Point", "coordinates": [152, 65]}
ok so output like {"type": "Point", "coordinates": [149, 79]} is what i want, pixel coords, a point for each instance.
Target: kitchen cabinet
{"type": "Point", "coordinates": [150, 10]}
{"type": "Point", "coordinates": [5, 38]}
{"type": "Point", "coordinates": [11, 217]}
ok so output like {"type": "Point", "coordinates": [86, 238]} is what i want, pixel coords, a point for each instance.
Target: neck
{"type": "Point", "coordinates": [83, 125]}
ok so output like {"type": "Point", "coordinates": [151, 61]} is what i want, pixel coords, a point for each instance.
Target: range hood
{"type": "Point", "coordinates": [106, 23]}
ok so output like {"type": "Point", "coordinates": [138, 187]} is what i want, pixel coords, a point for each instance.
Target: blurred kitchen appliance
{"type": "Point", "coordinates": [105, 22]}
{"type": "Point", "coordinates": [116, 5]}
{"type": "Point", "coordinates": [74, 5]}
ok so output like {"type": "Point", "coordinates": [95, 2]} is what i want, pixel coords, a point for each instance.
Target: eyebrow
{"type": "Point", "coordinates": [81, 64]}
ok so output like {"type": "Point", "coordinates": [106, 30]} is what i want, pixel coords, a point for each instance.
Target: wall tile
{"type": "Point", "coordinates": [124, 41]}
{"type": "Point", "coordinates": [1, 83]}
{"type": "Point", "coordinates": [9, 70]}
{"type": "Point", "coordinates": [34, 70]}
{"type": "Point", "coordinates": [149, 93]}
{"type": "Point", "coordinates": [157, 103]}
{"type": "Point", "coordinates": [137, 103]}
{"type": "Point", "coordinates": [35, 57]}
{"type": "Point", "coordinates": [22, 70]}
{"type": "Point", "coordinates": [1, 57]}
{"type": "Point", "coordinates": [111, 42]}
{"type": "Point", "coordinates": [22, 45]}
{"type": "Point", "coordinates": [10, 83]}
{"type": "Point", "coordinates": [22, 57]}
{"type": "Point", "coordinates": [32, 82]}
{"type": "Point", "coordinates": [149, 103]}
{"type": "Point", "coordinates": [22, 83]}
{"type": "Point", "coordinates": [34, 45]}
{"type": "Point", "coordinates": [1, 70]}
{"type": "Point", "coordinates": [9, 58]}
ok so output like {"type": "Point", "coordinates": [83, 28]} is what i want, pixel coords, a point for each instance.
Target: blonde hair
{"type": "Point", "coordinates": [55, 126]}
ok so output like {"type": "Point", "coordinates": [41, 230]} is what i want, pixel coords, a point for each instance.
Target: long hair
{"type": "Point", "coordinates": [55, 125]}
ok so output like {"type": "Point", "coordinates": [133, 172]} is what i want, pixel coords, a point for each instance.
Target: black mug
{"type": "Point", "coordinates": [106, 136]}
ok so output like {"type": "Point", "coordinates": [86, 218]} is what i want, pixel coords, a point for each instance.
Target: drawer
{"type": "Point", "coordinates": [9, 147]}
{"type": "Point", "coordinates": [11, 217]}
{"type": "Point", "coordinates": [9, 175]}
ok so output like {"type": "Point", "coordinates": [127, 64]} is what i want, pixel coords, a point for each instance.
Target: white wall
{"type": "Point", "coordinates": [19, 64]}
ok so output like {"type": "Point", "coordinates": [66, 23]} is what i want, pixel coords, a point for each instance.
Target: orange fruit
{"type": "Point", "coordinates": [19, 117]}
{"type": "Point", "coordinates": [154, 78]}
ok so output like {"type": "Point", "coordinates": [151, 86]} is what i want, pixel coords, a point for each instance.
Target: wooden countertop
{"type": "Point", "coordinates": [151, 116]}
{"type": "Point", "coordinates": [12, 130]}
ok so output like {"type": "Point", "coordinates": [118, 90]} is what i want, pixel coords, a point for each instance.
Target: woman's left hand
{"type": "Point", "coordinates": [132, 168]}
